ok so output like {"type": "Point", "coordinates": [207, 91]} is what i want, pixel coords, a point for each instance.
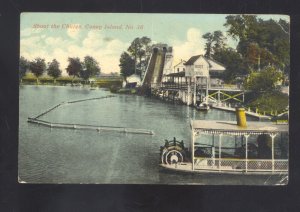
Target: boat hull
{"type": "Point", "coordinates": [187, 168]}
{"type": "Point", "coordinates": [203, 107]}
{"type": "Point", "coordinates": [208, 177]}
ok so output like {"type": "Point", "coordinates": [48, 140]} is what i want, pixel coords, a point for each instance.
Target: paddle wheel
{"type": "Point", "coordinates": [173, 152]}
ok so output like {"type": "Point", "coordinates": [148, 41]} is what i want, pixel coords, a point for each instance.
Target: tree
{"type": "Point", "coordinates": [37, 67]}
{"type": "Point", "coordinates": [126, 65]}
{"type": "Point", "coordinates": [233, 62]}
{"type": "Point", "coordinates": [265, 93]}
{"type": "Point", "coordinates": [241, 27]}
{"type": "Point", "coordinates": [256, 57]}
{"type": "Point", "coordinates": [90, 68]}
{"type": "Point", "coordinates": [23, 66]}
{"type": "Point", "coordinates": [138, 49]}
{"type": "Point", "coordinates": [219, 40]}
{"type": "Point", "coordinates": [208, 45]}
{"type": "Point", "coordinates": [264, 81]}
{"type": "Point", "coordinates": [267, 40]}
{"type": "Point", "coordinates": [53, 69]}
{"type": "Point", "coordinates": [214, 42]}
{"type": "Point", "coordinates": [75, 67]}
{"type": "Point", "coordinates": [269, 101]}
{"type": "Point", "coordinates": [133, 49]}
{"type": "Point", "coordinates": [142, 53]}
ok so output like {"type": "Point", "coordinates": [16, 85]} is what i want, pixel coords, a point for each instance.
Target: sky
{"type": "Point", "coordinates": [105, 36]}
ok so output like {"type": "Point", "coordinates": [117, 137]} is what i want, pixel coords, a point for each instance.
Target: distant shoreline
{"type": "Point", "coordinates": [101, 82]}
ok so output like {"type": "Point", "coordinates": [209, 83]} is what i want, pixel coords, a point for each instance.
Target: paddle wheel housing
{"type": "Point", "coordinates": [173, 152]}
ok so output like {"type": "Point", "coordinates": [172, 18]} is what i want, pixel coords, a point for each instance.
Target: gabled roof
{"type": "Point", "coordinates": [212, 63]}
{"type": "Point", "coordinates": [192, 60]}
{"type": "Point", "coordinates": [181, 62]}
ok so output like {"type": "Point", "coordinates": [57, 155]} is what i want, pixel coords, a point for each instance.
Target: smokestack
{"type": "Point", "coordinates": [241, 117]}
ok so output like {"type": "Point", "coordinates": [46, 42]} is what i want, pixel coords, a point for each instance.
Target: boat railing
{"type": "Point", "coordinates": [241, 165]}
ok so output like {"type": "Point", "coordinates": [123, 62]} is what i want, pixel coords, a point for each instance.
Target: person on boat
{"type": "Point", "coordinates": [264, 146]}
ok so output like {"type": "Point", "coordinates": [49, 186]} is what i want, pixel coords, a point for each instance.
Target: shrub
{"type": "Point", "coordinates": [271, 101]}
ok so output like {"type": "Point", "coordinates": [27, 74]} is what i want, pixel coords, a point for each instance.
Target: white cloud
{"type": "Point", "coordinates": [75, 50]}
{"type": "Point", "coordinates": [116, 46]}
{"type": "Point", "coordinates": [73, 32]}
{"type": "Point", "coordinates": [31, 41]}
{"type": "Point", "coordinates": [109, 64]}
{"type": "Point", "coordinates": [193, 35]}
{"type": "Point", "coordinates": [30, 31]}
{"type": "Point", "coordinates": [38, 53]}
{"type": "Point", "coordinates": [62, 57]}
{"type": "Point", "coordinates": [108, 55]}
{"type": "Point", "coordinates": [193, 45]}
{"type": "Point", "coordinates": [30, 44]}
{"type": "Point", "coordinates": [107, 52]}
{"type": "Point", "coordinates": [53, 41]}
{"type": "Point", "coordinates": [94, 39]}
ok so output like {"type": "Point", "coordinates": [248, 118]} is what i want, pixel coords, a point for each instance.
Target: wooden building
{"type": "Point", "coordinates": [193, 77]}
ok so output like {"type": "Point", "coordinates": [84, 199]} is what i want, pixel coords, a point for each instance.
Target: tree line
{"type": "Point", "coordinates": [261, 44]}
{"type": "Point", "coordinates": [85, 69]}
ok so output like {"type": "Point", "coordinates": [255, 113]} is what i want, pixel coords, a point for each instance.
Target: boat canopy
{"type": "Point", "coordinates": [231, 128]}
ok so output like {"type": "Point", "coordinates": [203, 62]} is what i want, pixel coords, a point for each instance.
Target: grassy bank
{"type": "Point", "coordinates": [108, 82]}
{"type": "Point", "coordinates": [269, 102]}
{"type": "Point", "coordinates": [104, 82]}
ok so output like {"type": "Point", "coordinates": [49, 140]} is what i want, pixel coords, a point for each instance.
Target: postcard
{"type": "Point", "coordinates": [133, 98]}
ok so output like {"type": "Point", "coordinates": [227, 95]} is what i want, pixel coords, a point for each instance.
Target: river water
{"type": "Point", "coordinates": [76, 156]}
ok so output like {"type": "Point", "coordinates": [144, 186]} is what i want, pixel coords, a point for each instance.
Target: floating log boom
{"type": "Point", "coordinates": [90, 127]}
{"type": "Point", "coordinates": [38, 121]}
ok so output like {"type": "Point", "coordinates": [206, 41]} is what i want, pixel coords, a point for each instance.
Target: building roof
{"type": "Point", "coordinates": [192, 60]}
{"type": "Point", "coordinates": [178, 74]}
{"type": "Point", "coordinates": [181, 62]}
{"type": "Point", "coordinates": [213, 65]}
{"type": "Point", "coordinates": [133, 78]}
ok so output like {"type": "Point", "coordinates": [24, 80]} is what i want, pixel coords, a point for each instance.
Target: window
{"type": "Point", "coordinates": [199, 66]}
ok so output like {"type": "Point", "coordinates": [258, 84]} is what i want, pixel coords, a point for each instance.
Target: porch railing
{"type": "Point", "coordinates": [184, 85]}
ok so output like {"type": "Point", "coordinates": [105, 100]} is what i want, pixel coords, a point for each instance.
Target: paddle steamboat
{"type": "Point", "coordinates": [226, 147]}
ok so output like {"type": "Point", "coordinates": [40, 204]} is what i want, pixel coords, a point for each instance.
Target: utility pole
{"type": "Point", "coordinates": [258, 62]}
{"type": "Point", "coordinates": [135, 58]}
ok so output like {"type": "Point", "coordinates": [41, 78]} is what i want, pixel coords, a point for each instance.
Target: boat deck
{"type": "Point", "coordinates": [231, 126]}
